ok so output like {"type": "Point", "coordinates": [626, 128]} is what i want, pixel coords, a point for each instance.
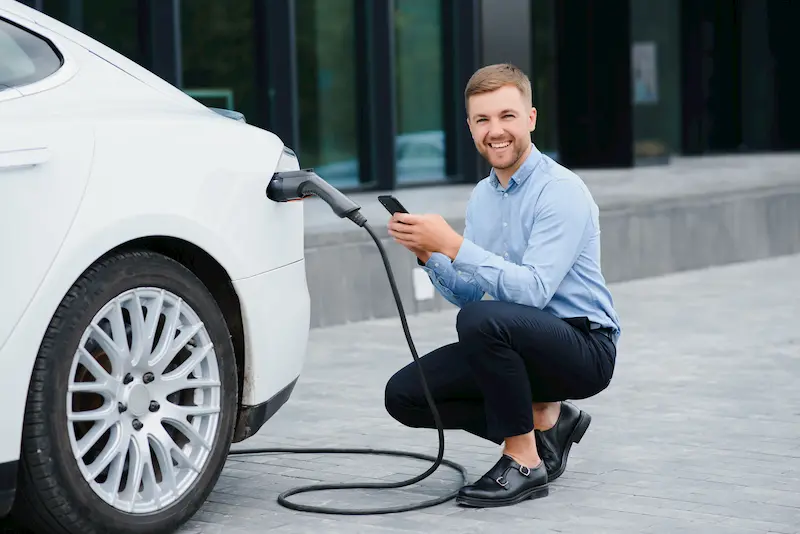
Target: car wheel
{"type": "Point", "coordinates": [132, 402]}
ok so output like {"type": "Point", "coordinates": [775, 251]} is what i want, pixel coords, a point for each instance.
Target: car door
{"type": "Point", "coordinates": [44, 165]}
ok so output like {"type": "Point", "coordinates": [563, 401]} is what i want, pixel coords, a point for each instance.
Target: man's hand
{"type": "Point", "coordinates": [427, 233]}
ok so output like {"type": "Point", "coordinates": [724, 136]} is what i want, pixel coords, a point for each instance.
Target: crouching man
{"type": "Point", "coordinates": [532, 243]}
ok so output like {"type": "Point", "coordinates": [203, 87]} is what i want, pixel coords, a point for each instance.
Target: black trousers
{"type": "Point", "coordinates": [507, 357]}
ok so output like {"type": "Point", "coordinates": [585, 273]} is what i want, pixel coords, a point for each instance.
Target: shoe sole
{"type": "Point", "coordinates": [533, 493]}
{"type": "Point", "coordinates": [584, 419]}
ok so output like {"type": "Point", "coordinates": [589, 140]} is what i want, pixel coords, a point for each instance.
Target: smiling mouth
{"type": "Point", "coordinates": [498, 146]}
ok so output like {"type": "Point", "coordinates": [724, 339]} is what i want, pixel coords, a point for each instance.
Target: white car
{"type": "Point", "coordinates": [154, 300]}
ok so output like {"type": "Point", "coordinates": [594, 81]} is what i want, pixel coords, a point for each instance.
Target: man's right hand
{"type": "Point", "coordinates": [421, 254]}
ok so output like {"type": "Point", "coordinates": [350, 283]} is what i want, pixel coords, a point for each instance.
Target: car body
{"type": "Point", "coordinates": [111, 177]}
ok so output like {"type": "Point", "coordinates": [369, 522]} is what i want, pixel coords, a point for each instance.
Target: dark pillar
{"type": "Point", "coordinates": [594, 80]}
{"type": "Point", "coordinates": [757, 79]}
{"type": "Point", "coordinates": [783, 18]}
{"type": "Point", "coordinates": [711, 58]}
{"type": "Point", "coordinates": [163, 52]}
{"type": "Point", "coordinates": [377, 125]}
{"type": "Point", "coordinates": [461, 49]}
{"type": "Point", "coordinates": [276, 69]}
{"type": "Point", "coordinates": [75, 14]}
{"type": "Point", "coordinates": [506, 33]}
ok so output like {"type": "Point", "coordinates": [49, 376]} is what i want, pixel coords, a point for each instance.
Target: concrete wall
{"type": "Point", "coordinates": [691, 214]}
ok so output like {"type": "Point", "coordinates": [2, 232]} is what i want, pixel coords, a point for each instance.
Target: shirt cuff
{"type": "Point", "coordinates": [437, 263]}
{"type": "Point", "coordinates": [470, 257]}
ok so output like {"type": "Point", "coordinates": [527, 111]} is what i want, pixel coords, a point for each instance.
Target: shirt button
{"type": "Point", "coordinates": [505, 224]}
{"type": "Point", "coordinates": [505, 195]}
{"type": "Point", "coordinates": [435, 264]}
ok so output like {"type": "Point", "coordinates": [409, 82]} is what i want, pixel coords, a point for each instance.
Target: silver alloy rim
{"type": "Point", "coordinates": [143, 404]}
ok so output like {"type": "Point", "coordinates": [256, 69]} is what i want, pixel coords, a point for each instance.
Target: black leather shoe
{"type": "Point", "coordinates": [554, 444]}
{"type": "Point", "coordinates": [504, 484]}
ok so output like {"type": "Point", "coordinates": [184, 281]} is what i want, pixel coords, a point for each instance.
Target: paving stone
{"type": "Point", "coordinates": [697, 433]}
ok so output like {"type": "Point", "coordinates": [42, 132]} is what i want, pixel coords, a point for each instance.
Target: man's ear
{"type": "Point", "coordinates": [532, 119]}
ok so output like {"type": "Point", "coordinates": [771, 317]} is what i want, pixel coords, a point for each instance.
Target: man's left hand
{"type": "Point", "coordinates": [426, 232]}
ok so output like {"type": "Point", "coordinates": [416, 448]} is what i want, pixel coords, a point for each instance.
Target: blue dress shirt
{"type": "Point", "coordinates": [536, 242]}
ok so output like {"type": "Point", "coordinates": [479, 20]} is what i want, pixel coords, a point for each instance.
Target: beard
{"type": "Point", "coordinates": [505, 159]}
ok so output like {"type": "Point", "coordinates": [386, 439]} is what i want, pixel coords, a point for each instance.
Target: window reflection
{"type": "Point", "coordinates": [655, 80]}
{"type": "Point", "coordinates": [328, 100]}
{"type": "Point", "coordinates": [218, 54]}
{"type": "Point", "coordinates": [420, 142]}
{"type": "Point", "coordinates": [115, 24]}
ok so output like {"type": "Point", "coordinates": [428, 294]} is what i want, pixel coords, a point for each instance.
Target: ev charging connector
{"type": "Point", "coordinates": [289, 186]}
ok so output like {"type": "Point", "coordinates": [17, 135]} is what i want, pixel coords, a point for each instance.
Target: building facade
{"type": "Point", "coordinates": [370, 92]}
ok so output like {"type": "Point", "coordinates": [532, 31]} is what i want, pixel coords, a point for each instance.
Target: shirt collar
{"type": "Point", "coordinates": [522, 174]}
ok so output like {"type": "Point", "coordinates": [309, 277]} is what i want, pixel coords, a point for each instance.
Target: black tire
{"type": "Point", "coordinates": [52, 493]}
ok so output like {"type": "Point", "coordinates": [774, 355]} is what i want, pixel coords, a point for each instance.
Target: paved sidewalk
{"type": "Point", "coordinates": [699, 431]}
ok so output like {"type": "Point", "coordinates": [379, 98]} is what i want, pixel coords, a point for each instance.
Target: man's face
{"type": "Point", "coordinates": [501, 125]}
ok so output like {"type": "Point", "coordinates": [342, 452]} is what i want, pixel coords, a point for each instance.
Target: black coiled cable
{"type": "Point", "coordinates": [439, 460]}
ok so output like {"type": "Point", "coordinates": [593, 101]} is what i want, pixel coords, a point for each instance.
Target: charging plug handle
{"type": "Point", "coordinates": [287, 186]}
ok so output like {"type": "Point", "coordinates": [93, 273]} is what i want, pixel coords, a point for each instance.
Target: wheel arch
{"type": "Point", "coordinates": [216, 279]}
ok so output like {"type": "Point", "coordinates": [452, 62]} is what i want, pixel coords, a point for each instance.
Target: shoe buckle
{"type": "Point", "coordinates": [502, 481]}
{"type": "Point", "coordinates": [525, 470]}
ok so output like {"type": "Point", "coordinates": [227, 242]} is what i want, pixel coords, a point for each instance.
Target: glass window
{"type": "Point", "coordinates": [218, 54]}
{"type": "Point", "coordinates": [655, 74]}
{"type": "Point", "coordinates": [328, 100]}
{"type": "Point", "coordinates": [24, 57]}
{"type": "Point", "coordinates": [420, 144]}
{"type": "Point", "coordinates": [115, 24]}
{"type": "Point", "coordinates": [64, 11]}
{"type": "Point", "coordinates": [543, 79]}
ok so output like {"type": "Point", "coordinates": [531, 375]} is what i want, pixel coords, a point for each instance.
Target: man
{"type": "Point", "coordinates": [532, 243]}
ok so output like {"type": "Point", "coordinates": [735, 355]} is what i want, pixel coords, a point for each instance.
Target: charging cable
{"type": "Point", "coordinates": [295, 185]}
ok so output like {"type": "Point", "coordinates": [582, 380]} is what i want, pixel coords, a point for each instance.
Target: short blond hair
{"type": "Point", "coordinates": [493, 77]}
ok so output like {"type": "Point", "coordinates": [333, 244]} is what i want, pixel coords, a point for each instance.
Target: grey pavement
{"type": "Point", "coordinates": [698, 432]}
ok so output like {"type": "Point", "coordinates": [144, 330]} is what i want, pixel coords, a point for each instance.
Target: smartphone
{"type": "Point", "coordinates": [391, 204]}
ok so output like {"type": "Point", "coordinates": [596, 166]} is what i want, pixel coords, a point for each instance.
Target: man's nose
{"type": "Point", "coordinates": [495, 129]}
